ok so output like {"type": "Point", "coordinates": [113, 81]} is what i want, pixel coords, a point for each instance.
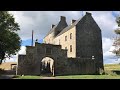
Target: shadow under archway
{"type": "Point", "coordinates": [47, 66]}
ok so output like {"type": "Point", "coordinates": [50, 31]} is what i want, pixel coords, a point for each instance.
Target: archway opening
{"type": "Point", "coordinates": [47, 68]}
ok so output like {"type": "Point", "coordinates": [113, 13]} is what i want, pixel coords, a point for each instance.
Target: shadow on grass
{"type": "Point", "coordinates": [74, 74]}
{"type": "Point", "coordinates": [116, 71]}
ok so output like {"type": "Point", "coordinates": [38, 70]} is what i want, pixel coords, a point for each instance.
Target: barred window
{"type": "Point", "coordinates": [70, 48]}
{"type": "Point", "coordinates": [59, 42]}
{"type": "Point", "coordinates": [66, 48]}
{"type": "Point", "coordinates": [48, 50]}
{"type": "Point", "coordinates": [70, 35]}
{"type": "Point", "coordinates": [65, 38]}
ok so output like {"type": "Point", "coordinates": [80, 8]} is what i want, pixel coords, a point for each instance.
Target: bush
{"type": "Point", "coordinates": [108, 72]}
{"type": "Point", "coordinates": [2, 71]}
{"type": "Point", "coordinates": [102, 72]}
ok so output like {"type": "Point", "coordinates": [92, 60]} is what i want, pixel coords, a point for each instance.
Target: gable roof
{"type": "Point", "coordinates": [52, 30]}
{"type": "Point", "coordinates": [60, 26]}
{"type": "Point", "coordinates": [69, 27]}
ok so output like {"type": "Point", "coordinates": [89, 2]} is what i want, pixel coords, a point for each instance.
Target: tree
{"type": "Point", "coordinates": [9, 39]}
{"type": "Point", "coordinates": [116, 43]}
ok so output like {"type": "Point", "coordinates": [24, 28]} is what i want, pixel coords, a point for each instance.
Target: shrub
{"type": "Point", "coordinates": [2, 71]}
{"type": "Point", "coordinates": [109, 72]}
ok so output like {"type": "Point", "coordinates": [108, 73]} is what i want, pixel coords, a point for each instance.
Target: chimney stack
{"type": "Point", "coordinates": [52, 25]}
{"type": "Point", "coordinates": [87, 13]}
{"type": "Point", "coordinates": [62, 18]}
{"type": "Point", "coordinates": [72, 21]}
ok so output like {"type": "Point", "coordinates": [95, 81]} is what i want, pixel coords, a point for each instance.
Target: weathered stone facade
{"type": "Point", "coordinates": [75, 49]}
{"type": "Point", "coordinates": [30, 64]}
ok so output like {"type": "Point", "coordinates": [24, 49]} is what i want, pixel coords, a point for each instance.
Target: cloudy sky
{"type": "Point", "coordinates": [41, 21]}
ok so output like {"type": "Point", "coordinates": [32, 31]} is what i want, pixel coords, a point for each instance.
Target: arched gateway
{"type": "Point", "coordinates": [47, 65]}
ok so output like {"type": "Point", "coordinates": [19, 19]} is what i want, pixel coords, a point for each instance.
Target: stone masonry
{"type": "Point", "coordinates": [75, 49]}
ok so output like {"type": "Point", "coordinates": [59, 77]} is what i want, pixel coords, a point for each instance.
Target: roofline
{"type": "Point", "coordinates": [87, 13]}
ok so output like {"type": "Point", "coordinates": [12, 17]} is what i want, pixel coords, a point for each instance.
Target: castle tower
{"type": "Point", "coordinates": [89, 40]}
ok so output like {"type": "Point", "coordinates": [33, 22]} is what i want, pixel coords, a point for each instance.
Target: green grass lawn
{"type": "Point", "coordinates": [90, 77]}
{"type": "Point", "coordinates": [27, 77]}
{"type": "Point", "coordinates": [109, 68]}
{"type": "Point", "coordinates": [74, 77]}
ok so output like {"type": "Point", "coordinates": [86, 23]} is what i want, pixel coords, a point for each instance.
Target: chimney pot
{"type": "Point", "coordinates": [52, 25]}
{"type": "Point", "coordinates": [72, 21]}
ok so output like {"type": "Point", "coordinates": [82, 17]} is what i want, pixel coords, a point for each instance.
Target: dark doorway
{"type": "Point", "coordinates": [46, 70]}
{"type": "Point", "coordinates": [47, 64]}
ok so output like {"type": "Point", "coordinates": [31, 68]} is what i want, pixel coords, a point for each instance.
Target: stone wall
{"type": "Point", "coordinates": [77, 66]}
{"type": "Point", "coordinates": [89, 40]}
{"type": "Point", "coordinates": [81, 66]}
{"type": "Point", "coordinates": [30, 64]}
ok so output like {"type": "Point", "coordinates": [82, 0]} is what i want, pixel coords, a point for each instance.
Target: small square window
{"type": "Point", "coordinates": [66, 48]}
{"type": "Point", "coordinates": [70, 48]}
{"type": "Point", "coordinates": [65, 38]}
{"type": "Point", "coordinates": [48, 50]}
{"type": "Point", "coordinates": [70, 35]}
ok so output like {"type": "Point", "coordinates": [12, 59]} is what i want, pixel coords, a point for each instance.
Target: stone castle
{"type": "Point", "coordinates": [75, 49]}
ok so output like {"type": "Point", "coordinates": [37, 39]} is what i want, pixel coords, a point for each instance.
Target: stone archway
{"type": "Point", "coordinates": [47, 64]}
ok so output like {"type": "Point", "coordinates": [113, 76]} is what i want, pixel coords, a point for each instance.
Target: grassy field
{"type": "Point", "coordinates": [111, 67]}
{"type": "Point", "coordinates": [109, 74]}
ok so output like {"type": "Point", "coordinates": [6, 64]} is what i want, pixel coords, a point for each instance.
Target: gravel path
{"type": "Point", "coordinates": [6, 76]}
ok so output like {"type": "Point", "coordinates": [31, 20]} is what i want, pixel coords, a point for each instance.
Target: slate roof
{"type": "Point", "coordinates": [65, 29]}
{"type": "Point", "coordinates": [52, 30]}
{"type": "Point", "coordinates": [69, 27]}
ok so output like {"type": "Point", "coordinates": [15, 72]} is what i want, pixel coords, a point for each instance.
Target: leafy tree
{"type": "Point", "coordinates": [117, 39]}
{"type": "Point", "coordinates": [9, 39]}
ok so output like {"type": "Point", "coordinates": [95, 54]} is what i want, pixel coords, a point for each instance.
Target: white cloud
{"type": "Point", "coordinates": [107, 44]}
{"type": "Point", "coordinates": [40, 21]}
{"type": "Point", "coordinates": [106, 22]}
{"type": "Point", "coordinates": [22, 50]}
{"type": "Point", "coordinates": [108, 47]}
{"type": "Point", "coordinates": [14, 58]}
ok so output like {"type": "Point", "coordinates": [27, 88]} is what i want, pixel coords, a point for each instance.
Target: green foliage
{"type": "Point", "coordinates": [9, 39]}
{"type": "Point", "coordinates": [2, 71]}
{"type": "Point", "coordinates": [117, 31]}
{"type": "Point", "coordinates": [116, 43]}
{"type": "Point", "coordinates": [118, 21]}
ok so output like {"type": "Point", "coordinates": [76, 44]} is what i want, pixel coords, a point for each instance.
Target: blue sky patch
{"type": "Point", "coordinates": [29, 41]}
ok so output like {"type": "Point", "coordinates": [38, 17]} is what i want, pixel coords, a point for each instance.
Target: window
{"type": "Point", "coordinates": [49, 40]}
{"type": "Point", "coordinates": [66, 48]}
{"type": "Point", "coordinates": [70, 48]}
{"type": "Point", "coordinates": [70, 35]}
{"type": "Point", "coordinates": [48, 50]}
{"type": "Point", "coordinates": [30, 56]}
{"type": "Point", "coordinates": [59, 42]}
{"type": "Point", "coordinates": [65, 38]}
